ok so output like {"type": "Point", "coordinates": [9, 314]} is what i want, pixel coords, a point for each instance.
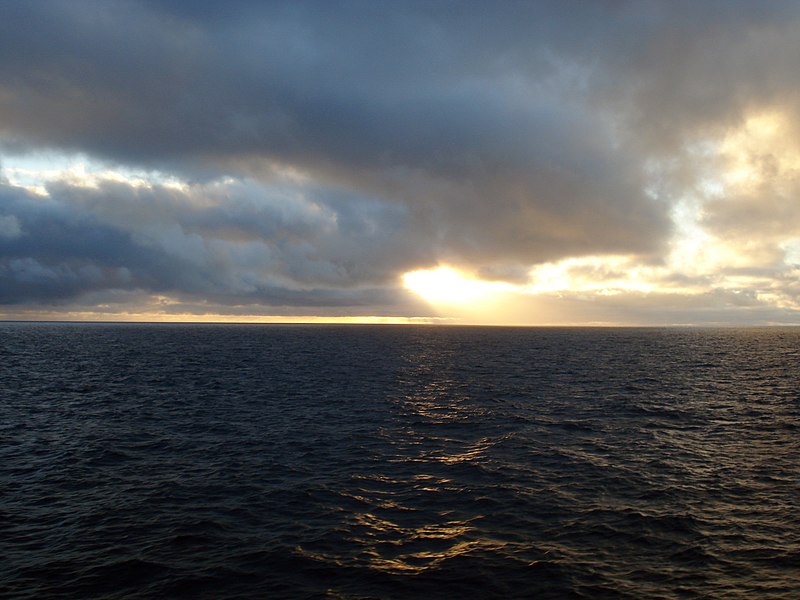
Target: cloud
{"type": "Point", "coordinates": [323, 150]}
{"type": "Point", "coordinates": [9, 227]}
{"type": "Point", "coordinates": [230, 242]}
{"type": "Point", "coordinates": [481, 133]}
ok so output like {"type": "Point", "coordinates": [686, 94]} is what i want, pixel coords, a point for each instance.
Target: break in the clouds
{"type": "Point", "coordinates": [627, 162]}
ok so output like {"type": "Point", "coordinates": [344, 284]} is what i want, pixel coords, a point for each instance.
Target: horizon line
{"type": "Point", "coordinates": [421, 322]}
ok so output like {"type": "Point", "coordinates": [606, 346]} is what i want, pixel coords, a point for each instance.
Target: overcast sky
{"type": "Point", "coordinates": [588, 162]}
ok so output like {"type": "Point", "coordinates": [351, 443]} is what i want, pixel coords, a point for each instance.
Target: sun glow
{"type": "Point", "coordinates": [753, 165]}
{"type": "Point", "coordinates": [445, 285]}
{"type": "Point", "coordinates": [604, 275]}
{"type": "Point", "coordinates": [764, 147]}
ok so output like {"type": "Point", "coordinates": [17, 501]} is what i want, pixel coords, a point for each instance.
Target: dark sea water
{"type": "Point", "coordinates": [187, 461]}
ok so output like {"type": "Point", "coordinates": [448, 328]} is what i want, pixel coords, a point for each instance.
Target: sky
{"type": "Point", "coordinates": [525, 163]}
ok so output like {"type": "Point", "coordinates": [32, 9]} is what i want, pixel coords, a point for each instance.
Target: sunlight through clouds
{"type": "Point", "coordinates": [592, 165]}
{"type": "Point", "coordinates": [597, 274]}
{"type": "Point", "coordinates": [446, 285]}
{"type": "Point", "coordinates": [34, 172]}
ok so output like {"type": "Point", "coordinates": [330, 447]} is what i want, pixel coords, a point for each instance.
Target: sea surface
{"type": "Point", "coordinates": [312, 461]}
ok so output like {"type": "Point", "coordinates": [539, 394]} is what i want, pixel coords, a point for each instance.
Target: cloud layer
{"type": "Point", "coordinates": [303, 156]}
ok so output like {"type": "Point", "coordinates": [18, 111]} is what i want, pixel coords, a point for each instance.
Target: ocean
{"type": "Point", "coordinates": [321, 461]}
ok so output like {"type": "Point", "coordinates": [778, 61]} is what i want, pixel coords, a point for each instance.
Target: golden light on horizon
{"type": "Point", "coordinates": [449, 286]}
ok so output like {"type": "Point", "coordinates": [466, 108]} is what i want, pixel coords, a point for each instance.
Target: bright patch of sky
{"type": "Point", "coordinates": [698, 259]}
{"type": "Point", "coordinates": [36, 170]}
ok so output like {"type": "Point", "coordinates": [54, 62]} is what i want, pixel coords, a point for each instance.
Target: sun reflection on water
{"type": "Point", "coordinates": [416, 520]}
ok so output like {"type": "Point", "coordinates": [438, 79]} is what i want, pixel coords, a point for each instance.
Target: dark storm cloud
{"type": "Point", "coordinates": [62, 252]}
{"type": "Point", "coordinates": [232, 243]}
{"type": "Point", "coordinates": [494, 134]}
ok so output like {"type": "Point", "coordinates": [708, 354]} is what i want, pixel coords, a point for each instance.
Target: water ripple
{"type": "Point", "coordinates": [145, 461]}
